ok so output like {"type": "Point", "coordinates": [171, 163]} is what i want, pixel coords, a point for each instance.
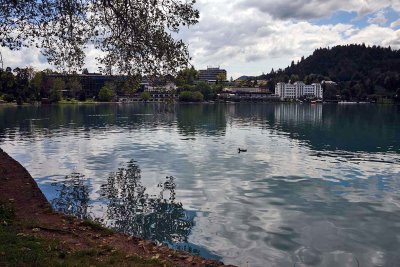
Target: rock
{"type": "Point", "coordinates": [35, 230]}
{"type": "Point", "coordinates": [182, 257]}
{"type": "Point", "coordinates": [190, 259]}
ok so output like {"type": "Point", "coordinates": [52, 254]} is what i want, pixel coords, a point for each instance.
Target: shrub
{"type": "Point", "coordinates": [145, 96]}
{"type": "Point", "coordinates": [106, 93]}
{"type": "Point", "coordinates": [8, 98]}
{"type": "Point", "coordinates": [187, 96]}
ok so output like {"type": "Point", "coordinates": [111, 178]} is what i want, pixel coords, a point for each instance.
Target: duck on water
{"type": "Point", "coordinates": [241, 150]}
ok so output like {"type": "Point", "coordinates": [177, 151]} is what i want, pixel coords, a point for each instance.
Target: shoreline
{"type": "Point", "coordinates": [35, 218]}
{"type": "Point", "coordinates": [195, 103]}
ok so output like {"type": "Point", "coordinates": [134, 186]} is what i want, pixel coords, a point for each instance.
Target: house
{"type": "Point", "coordinates": [298, 90]}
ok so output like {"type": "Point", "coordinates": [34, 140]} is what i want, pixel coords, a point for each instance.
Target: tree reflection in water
{"type": "Point", "coordinates": [73, 197]}
{"type": "Point", "coordinates": [131, 210]}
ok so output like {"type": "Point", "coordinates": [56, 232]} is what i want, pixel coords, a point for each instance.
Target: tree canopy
{"type": "Point", "coordinates": [135, 37]}
{"type": "Point", "coordinates": [360, 71]}
{"type": "Point", "coordinates": [106, 93]}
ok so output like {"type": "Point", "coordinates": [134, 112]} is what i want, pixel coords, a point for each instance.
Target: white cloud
{"type": "Point", "coordinates": [311, 9]}
{"type": "Point", "coordinates": [24, 57]}
{"type": "Point", "coordinates": [248, 37]}
{"type": "Point", "coordinates": [250, 41]}
{"type": "Point", "coordinates": [376, 35]}
{"type": "Point", "coordinates": [395, 24]}
{"type": "Point", "coordinates": [378, 18]}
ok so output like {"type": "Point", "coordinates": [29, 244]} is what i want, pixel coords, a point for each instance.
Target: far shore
{"type": "Point", "coordinates": [14, 104]}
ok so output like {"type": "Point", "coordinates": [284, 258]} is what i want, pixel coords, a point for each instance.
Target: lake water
{"type": "Point", "coordinates": [319, 185]}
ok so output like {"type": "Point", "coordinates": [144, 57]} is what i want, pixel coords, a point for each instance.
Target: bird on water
{"type": "Point", "coordinates": [240, 150]}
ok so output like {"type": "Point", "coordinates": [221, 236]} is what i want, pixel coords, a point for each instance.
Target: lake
{"type": "Point", "coordinates": [319, 185]}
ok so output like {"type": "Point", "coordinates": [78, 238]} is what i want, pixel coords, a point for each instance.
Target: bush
{"type": "Point", "coordinates": [55, 95]}
{"type": "Point", "coordinates": [8, 98]}
{"type": "Point", "coordinates": [58, 85]}
{"type": "Point", "coordinates": [187, 96]}
{"type": "Point", "coordinates": [145, 96]}
{"type": "Point", "coordinates": [206, 90]}
{"type": "Point", "coordinates": [19, 101]}
{"type": "Point", "coordinates": [106, 93]}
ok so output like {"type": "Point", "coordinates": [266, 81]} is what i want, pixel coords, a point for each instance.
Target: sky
{"type": "Point", "coordinates": [250, 37]}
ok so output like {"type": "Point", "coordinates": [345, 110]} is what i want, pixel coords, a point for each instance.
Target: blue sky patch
{"type": "Point", "coordinates": [353, 18]}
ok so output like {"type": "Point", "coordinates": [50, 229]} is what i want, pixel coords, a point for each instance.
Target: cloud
{"type": "Point", "coordinates": [24, 57]}
{"type": "Point", "coordinates": [395, 24]}
{"type": "Point", "coordinates": [313, 9]}
{"type": "Point", "coordinates": [378, 18]}
{"type": "Point", "coordinates": [248, 41]}
{"type": "Point", "coordinates": [248, 37]}
{"type": "Point", "coordinates": [376, 35]}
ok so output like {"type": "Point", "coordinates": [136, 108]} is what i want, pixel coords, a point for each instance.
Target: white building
{"type": "Point", "coordinates": [168, 87]}
{"type": "Point", "coordinates": [297, 90]}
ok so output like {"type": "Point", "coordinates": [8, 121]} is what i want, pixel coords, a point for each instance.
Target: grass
{"type": "Point", "coordinates": [75, 101]}
{"type": "Point", "coordinates": [68, 101]}
{"type": "Point", "coordinates": [19, 249]}
{"type": "Point", "coordinates": [98, 227]}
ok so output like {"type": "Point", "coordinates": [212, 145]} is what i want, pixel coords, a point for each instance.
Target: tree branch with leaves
{"type": "Point", "coordinates": [135, 37]}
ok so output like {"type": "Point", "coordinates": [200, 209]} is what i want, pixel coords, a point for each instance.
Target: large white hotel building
{"type": "Point", "coordinates": [297, 90]}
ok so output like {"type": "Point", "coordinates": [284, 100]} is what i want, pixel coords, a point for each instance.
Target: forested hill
{"type": "Point", "coordinates": [359, 70]}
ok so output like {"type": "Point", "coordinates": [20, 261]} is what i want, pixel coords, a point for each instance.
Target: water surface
{"type": "Point", "coordinates": [319, 185]}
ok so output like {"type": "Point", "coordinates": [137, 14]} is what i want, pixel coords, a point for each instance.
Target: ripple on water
{"type": "Point", "coordinates": [315, 188]}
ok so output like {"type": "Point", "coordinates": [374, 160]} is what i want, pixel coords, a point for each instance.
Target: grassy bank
{"type": "Point", "coordinates": [75, 101]}
{"type": "Point", "coordinates": [21, 245]}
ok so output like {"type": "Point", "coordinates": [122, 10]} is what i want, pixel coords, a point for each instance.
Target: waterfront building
{"type": "Point", "coordinates": [166, 87]}
{"type": "Point", "coordinates": [298, 90]}
{"type": "Point", "coordinates": [91, 82]}
{"type": "Point", "coordinates": [162, 92]}
{"type": "Point", "coordinates": [210, 75]}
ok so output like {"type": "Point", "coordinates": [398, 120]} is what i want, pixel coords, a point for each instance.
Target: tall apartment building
{"type": "Point", "coordinates": [211, 74]}
{"type": "Point", "coordinates": [297, 90]}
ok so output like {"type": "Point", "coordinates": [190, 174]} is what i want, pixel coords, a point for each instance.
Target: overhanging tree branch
{"type": "Point", "coordinates": [132, 34]}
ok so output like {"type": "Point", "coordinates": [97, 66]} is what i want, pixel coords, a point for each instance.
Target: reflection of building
{"type": "Point", "coordinates": [250, 93]}
{"type": "Point", "coordinates": [211, 75]}
{"type": "Point", "coordinates": [298, 113]}
{"type": "Point", "coordinates": [298, 90]}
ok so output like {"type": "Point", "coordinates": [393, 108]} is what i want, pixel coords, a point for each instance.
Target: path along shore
{"type": "Point", "coordinates": [34, 219]}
